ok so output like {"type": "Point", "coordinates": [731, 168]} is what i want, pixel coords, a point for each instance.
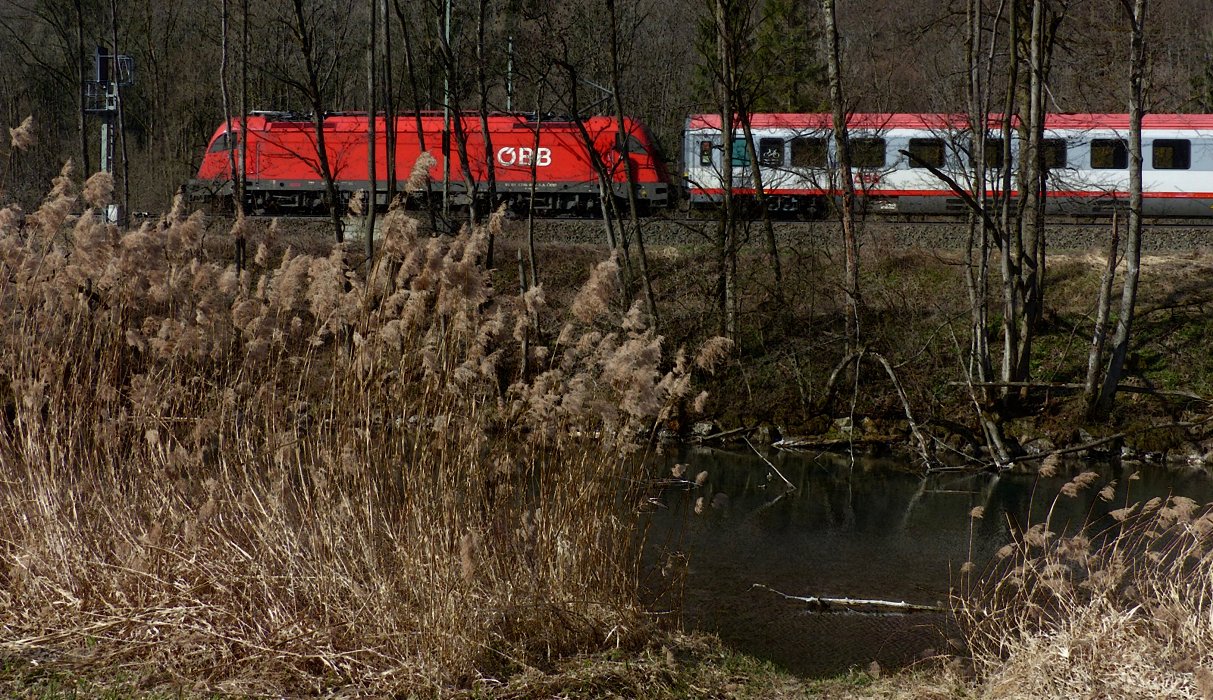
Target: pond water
{"type": "Point", "coordinates": [866, 528]}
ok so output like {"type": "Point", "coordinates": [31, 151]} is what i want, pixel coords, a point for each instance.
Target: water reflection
{"type": "Point", "coordinates": [865, 529]}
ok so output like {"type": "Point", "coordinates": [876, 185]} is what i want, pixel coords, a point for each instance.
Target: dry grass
{"type": "Point", "coordinates": [303, 478]}
{"type": "Point", "coordinates": [1122, 609]}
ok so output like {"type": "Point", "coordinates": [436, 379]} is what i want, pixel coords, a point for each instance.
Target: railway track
{"type": "Point", "coordinates": [1166, 235]}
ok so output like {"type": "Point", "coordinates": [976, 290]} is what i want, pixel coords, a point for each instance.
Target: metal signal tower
{"type": "Point", "coordinates": [102, 97]}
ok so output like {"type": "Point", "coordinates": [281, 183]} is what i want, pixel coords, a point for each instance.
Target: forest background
{"type": "Point", "coordinates": [896, 57]}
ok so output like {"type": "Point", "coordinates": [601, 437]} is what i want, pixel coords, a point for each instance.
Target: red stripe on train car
{"type": "Point", "coordinates": [881, 121]}
{"type": "Point", "coordinates": [950, 193]}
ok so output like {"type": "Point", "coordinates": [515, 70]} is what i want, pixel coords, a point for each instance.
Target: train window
{"type": "Point", "coordinates": [705, 152]}
{"type": "Point", "coordinates": [926, 153]}
{"type": "Point", "coordinates": [741, 154]}
{"type": "Point", "coordinates": [1109, 154]}
{"type": "Point", "coordinates": [809, 153]}
{"type": "Point", "coordinates": [1053, 152]}
{"type": "Point", "coordinates": [867, 152]}
{"type": "Point", "coordinates": [226, 142]}
{"type": "Point", "coordinates": [770, 152]}
{"type": "Point", "coordinates": [994, 153]}
{"type": "Point", "coordinates": [1172, 154]}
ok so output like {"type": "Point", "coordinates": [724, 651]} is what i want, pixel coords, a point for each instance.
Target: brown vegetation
{"type": "Point", "coordinates": [298, 477]}
{"type": "Point", "coordinates": [293, 477]}
{"type": "Point", "coordinates": [1119, 609]}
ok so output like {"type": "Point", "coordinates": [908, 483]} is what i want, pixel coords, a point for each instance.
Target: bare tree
{"type": "Point", "coordinates": [121, 123]}
{"type": "Point", "coordinates": [985, 228]}
{"type": "Point", "coordinates": [845, 176]}
{"type": "Point", "coordinates": [1024, 255]}
{"type": "Point", "coordinates": [371, 145]}
{"type": "Point", "coordinates": [303, 26]}
{"type": "Point", "coordinates": [415, 89]}
{"type": "Point", "coordinates": [242, 180]}
{"type": "Point", "coordinates": [624, 141]}
{"type": "Point", "coordinates": [482, 84]}
{"type": "Point", "coordinates": [617, 243]}
{"type": "Point", "coordinates": [453, 108]}
{"type": "Point", "coordinates": [728, 38]}
{"type": "Point", "coordinates": [82, 70]}
{"type": "Point", "coordinates": [760, 198]}
{"type": "Point", "coordinates": [234, 142]}
{"type": "Point", "coordinates": [389, 99]}
{"type": "Point", "coordinates": [237, 202]}
{"type": "Point", "coordinates": [1135, 11]}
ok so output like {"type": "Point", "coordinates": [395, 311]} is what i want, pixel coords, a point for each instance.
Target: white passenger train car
{"type": "Point", "coordinates": [1086, 156]}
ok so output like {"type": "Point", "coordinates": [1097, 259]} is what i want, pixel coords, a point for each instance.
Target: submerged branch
{"type": "Point", "coordinates": [790, 485]}
{"type": "Point", "coordinates": [855, 605]}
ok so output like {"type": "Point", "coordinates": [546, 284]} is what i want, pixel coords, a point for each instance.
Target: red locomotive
{"type": "Point", "coordinates": [283, 172]}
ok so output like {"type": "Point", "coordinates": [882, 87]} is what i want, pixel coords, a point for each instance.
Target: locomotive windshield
{"type": "Point", "coordinates": [226, 142]}
{"type": "Point", "coordinates": [637, 144]}
{"type": "Point", "coordinates": [631, 145]}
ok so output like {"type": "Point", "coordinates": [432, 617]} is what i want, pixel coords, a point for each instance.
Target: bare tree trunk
{"type": "Point", "coordinates": [1128, 299]}
{"type": "Point", "coordinates": [760, 197]}
{"type": "Point", "coordinates": [1099, 337]}
{"type": "Point", "coordinates": [389, 100]}
{"type": "Point", "coordinates": [242, 181]}
{"type": "Point", "coordinates": [605, 194]}
{"type": "Point", "coordinates": [978, 243]}
{"type": "Point", "coordinates": [126, 173]}
{"type": "Point", "coordinates": [482, 82]}
{"type": "Point", "coordinates": [447, 67]}
{"type": "Point", "coordinates": [842, 144]}
{"type": "Point", "coordinates": [227, 109]}
{"type": "Point", "coordinates": [242, 178]}
{"type": "Point", "coordinates": [303, 34]}
{"type": "Point", "coordinates": [82, 72]}
{"type": "Point", "coordinates": [371, 174]}
{"type": "Point", "coordinates": [726, 238]}
{"type": "Point", "coordinates": [530, 209]}
{"type": "Point", "coordinates": [465, 167]}
{"type": "Point", "coordinates": [239, 143]}
{"type": "Point", "coordinates": [412, 72]}
{"type": "Point", "coordinates": [526, 329]}
{"type": "Point", "coordinates": [624, 142]}
{"type": "Point", "coordinates": [981, 230]}
{"type": "Point", "coordinates": [1010, 253]}
{"type": "Point", "coordinates": [452, 104]}
{"type": "Point", "coordinates": [1033, 195]}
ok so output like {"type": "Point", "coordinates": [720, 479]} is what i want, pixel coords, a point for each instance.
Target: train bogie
{"type": "Point", "coordinates": [902, 163]}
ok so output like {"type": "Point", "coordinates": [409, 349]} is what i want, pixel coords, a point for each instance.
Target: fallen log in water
{"type": "Point", "coordinates": [855, 605]}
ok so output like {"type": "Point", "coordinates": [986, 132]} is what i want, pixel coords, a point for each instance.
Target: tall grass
{"type": "Point", "coordinates": [1122, 608]}
{"type": "Point", "coordinates": [300, 476]}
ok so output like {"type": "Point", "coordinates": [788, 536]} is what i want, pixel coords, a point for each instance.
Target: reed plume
{"type": "Point", "coordinates": [22, 136]}
{"type": "Point", "coordinates": [98, 189]}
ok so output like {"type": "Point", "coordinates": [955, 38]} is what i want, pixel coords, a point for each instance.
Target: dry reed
{"type": "Point", "coordinates": [297, 478]}
{"type": "Point", "coordinates": [1122, 608]}
{"type": "Point", "coordinates": [22, 136]}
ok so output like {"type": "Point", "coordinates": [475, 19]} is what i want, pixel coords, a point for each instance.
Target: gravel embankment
{"type": "Point", "coordinates": [660, 231]}
{"type": "Point", "coordinates": [943, 236]}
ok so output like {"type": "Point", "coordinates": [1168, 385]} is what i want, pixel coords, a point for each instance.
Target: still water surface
{"type": "Point", "coordinates": [862, 529]}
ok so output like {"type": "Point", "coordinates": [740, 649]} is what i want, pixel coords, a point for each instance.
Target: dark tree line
{"type": "Point", "coordinates": [903, 56]}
